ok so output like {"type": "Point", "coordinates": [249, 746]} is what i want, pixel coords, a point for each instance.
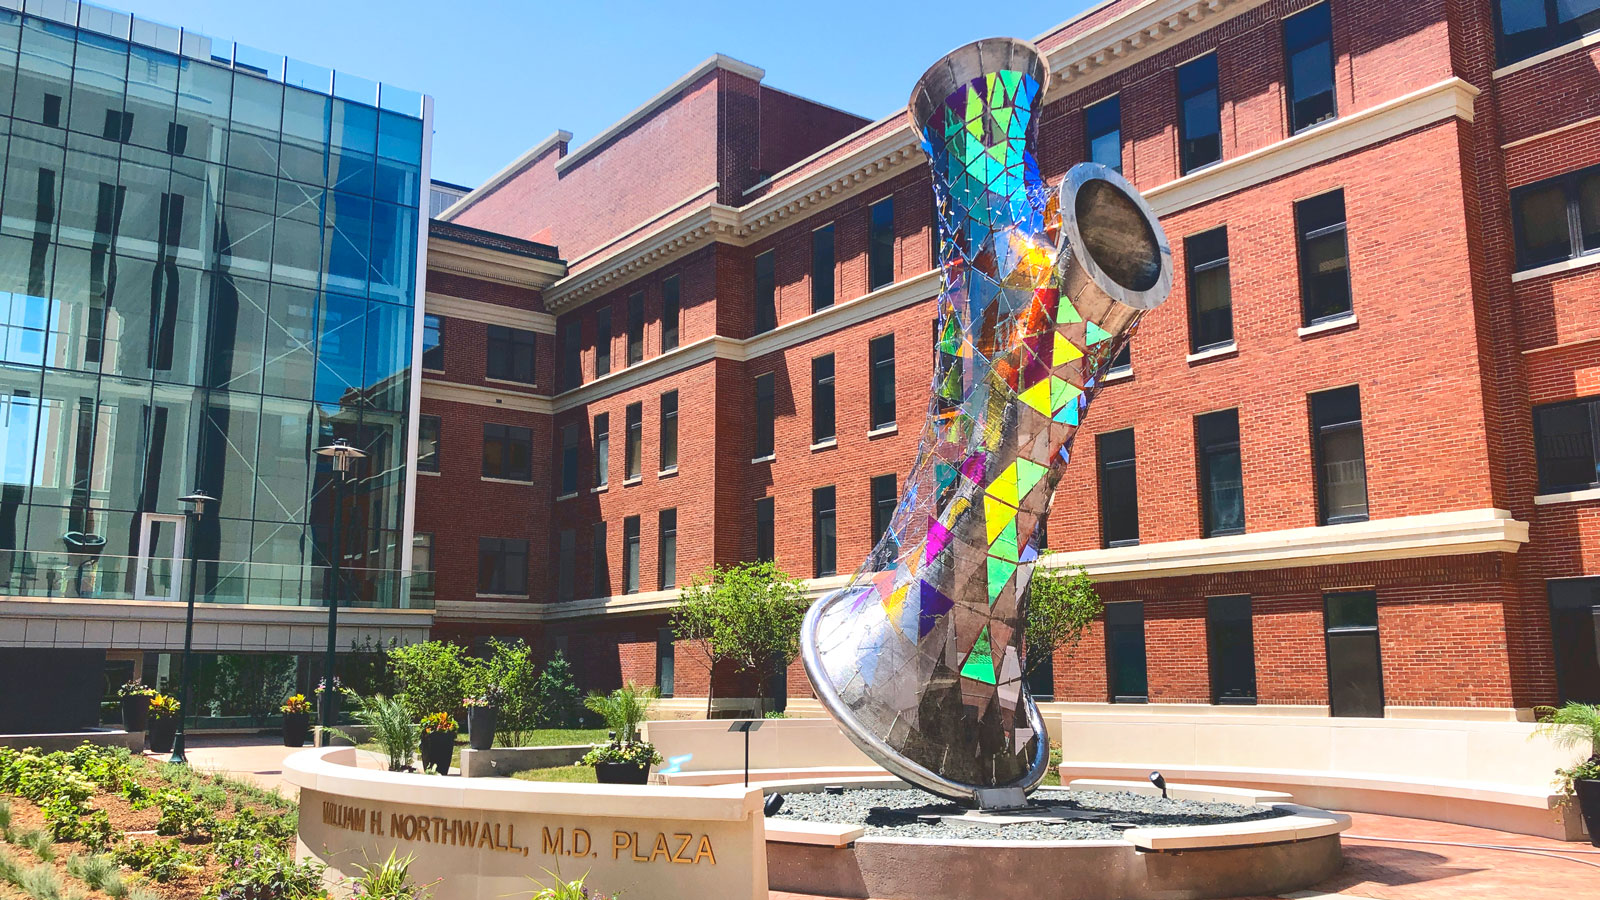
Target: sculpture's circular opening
{"type": "Point", "coordinates": [1118, 236]}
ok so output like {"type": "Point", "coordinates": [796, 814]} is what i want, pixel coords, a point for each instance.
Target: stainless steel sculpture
{"type": "Point", "coordinates": [920, 658]}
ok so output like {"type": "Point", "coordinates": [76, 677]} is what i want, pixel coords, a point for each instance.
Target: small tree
{"type": "Point", "coordinates": [1060, 608]}
{"type": "Point", "coordinates": [748, 614]}
{"type": "Point", "coordinates": [557, 691]}
{"type": "Point", "coordinates": [431, 676]}
{"type": "Point", "coordinates": [511, 679]}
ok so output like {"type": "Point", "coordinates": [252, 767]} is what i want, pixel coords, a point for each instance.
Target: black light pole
{"type": "Point", "coordinates": [343, 456]}
{"type": "Point", "coordinates": [194, 509]}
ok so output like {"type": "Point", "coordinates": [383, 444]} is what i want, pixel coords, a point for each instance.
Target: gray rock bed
{"type": "Point", "coordinates": [893, 813]}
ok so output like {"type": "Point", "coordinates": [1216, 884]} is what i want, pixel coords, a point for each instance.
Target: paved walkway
{"type": "Point", "coordinates": [1386, 858]}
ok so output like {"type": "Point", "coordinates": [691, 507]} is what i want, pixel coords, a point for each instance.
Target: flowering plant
{"type": "Point", "coordinates": [163, 706]}
{"type": "Point", "coordinates": [637, 753]}
{"type": "Point", "coordinates": [296, 704]}
{"type": "Point", "coordinates": [136, 689]}
{"type": "Point", "coordinates": [434, 723]}
{"type": "Point", "coordinates": [322, 686]}
{"type": "Point", "coordinates": [478, 702]}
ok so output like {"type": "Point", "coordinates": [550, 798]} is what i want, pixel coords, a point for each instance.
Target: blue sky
{"type": "Point", "coordinates": [505, 74]}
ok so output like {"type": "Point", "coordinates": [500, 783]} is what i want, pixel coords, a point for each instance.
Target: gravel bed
{"type": "Point", "coordinates": [893, 813]}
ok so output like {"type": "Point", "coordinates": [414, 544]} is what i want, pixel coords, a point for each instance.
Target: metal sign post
{"type": "Point", "coordinates": [746, 726]}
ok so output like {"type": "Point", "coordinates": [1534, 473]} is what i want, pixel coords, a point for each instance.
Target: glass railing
{"type": "Point", "coordinates": [88, 576]}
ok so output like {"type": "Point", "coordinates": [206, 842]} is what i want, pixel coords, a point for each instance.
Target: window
{"type": "Point", "coordinates": [511, 354]}
{"type": "Point", "coordinates": [422, 563]}
{"type": "Point", "coordinates": [881, 357]}
{"type": "Point", "coordinates": [1122, 363]}
{"type": "Point", "coordinates": [667, 549]}
{"type": "Point", "coordinates": [602, 449]}
{"type": "Point", "coordinates": [569, 460]}
{"type": "Point", "coordinates": [507, 452]}
{"type": "Point", "coordinates": [1102, 126]}
{"type": "Point", "coordinates": [665, 675]}
{"type": "Point", "coordinates": [669, 431]}
{"type": "Point", "coordinates": [630, 555]}
{"type": "Point", "coordinates": [633, 451]}
{"type": "Point", "coordinates": [880, 244]}
{"type": "Point", "coordinates": [635, 328]}
{"type": "Point", "coordinates": [1324, 258]}
{"type": "Point", "coordinates": [599, 562]}
{"type": "Point", "coordinates": [822, 407]}
{"type": "Point", "coordinates": [1355, 665]}
{"type": "Point", "coordinates": [824, 533]}
{"type": "Point", "coordinates": [1308, 45]}
{"type": "Point", "coordinates": [766, 292]}
{"type": "Point", "coordinates": [766, 424]}
{"type": "Point", "coordinates": [1119, 489]}
{"type": "Point", "coordinates": [1340, 457]}
{"type": "Point", "coordinates": [1200, 115]}
{"type": "Point", "coordinates": [602, 342]}
{"type": "Point", "coordinates": [503, 567]}
{"type": "Point", "coordinates": [428, 443]}
{"type": "Point", "coordinates": [1529, 27]}
{"type": "Point", "coordinates": [571, 354]}
{"type": "Point", "coordinates": [1574, 629]}
{"type": "Point", "coordinates": [1210, 295]}
{"type": "Point", "coordinates": [1558, 218]}
{"type": "Point", "coordinates": [433, 343]}
{"type": "Point", "coordinates": [1564, 440]}
{"type": "Point", "coordinates": [566, 563]}
{"type": "Point", "coordinates": [822, 267]}
{"type": "Point", "coordinates": [1126, 679]}
{"type": "Point", "coordinates": [1221, 474]}
{"type": "Point", "coordinates": [670, 311]}
{"type": "Point", "coordinates": [765, 531]}
{"type": "Point", "coordinates": [1230, 646]}
{"type": "Point", "coordinates": [884, 498]}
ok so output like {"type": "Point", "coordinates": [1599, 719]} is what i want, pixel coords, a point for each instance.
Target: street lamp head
{"type": "Point", "coordinates": [342, 454]}
{"type": "Point", "coordinates": [195, 502]}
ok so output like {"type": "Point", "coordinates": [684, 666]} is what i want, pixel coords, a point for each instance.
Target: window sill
{"type": "Point", "coordinates": [1588, 40]}
{"type": "Point", "coordinates": [434, 474]}
{"type": "Point", "coordinates": [828, 444]}
{"type": "Point", "coordinates": [1217, 352]}
{"type": "Point", "coordinates": [1566, 265]}
{"type": "Point", "coordinates": [511, 381]}
{"type": "Point", "coordinates": [883, 431]}
{"type": "Point", "coordinates": [764, 459]}
{"type": "Point", "coordinates": [1117, 375]}
{"type": "Point", "coordinates": [427, 371]}
{"type": "Point", "coordinates": [600, 488]}
{"type": "Point", "coordinates": [1327, 326]}
{"type": "Point", "coordinates": [630, 482]}
{"type": "Point", "coordinates": [1567, 497]}
{"type": "Point", "coordinates": [667, 473]}
{"type": "Point", "coordinates": [560, 497]}
{"type": "Point", "coordinates": [501, 596]}
{"type": "Point", "coordinates": [505, 480]}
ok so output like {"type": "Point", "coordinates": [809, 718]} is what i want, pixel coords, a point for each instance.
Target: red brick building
{"type": "Point", "coordinates": [1350, 466]}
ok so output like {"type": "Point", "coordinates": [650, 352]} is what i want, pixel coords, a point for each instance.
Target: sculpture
{"type": "Point", "coordinates": [920, 657]}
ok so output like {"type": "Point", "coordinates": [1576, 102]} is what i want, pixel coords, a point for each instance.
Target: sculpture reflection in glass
{"type": "Point", "coordinates": [920, 658]}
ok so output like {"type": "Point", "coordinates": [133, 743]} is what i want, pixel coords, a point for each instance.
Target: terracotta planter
{"type": "Point", "coordinates": [1588, 792]}
{"type": "Point", "coordinates": [436, 750]}
{"type": "Point", "coordinates": [296, 726]}
{"type": "Point", "coordinates": [163, 729]}
{"type": "Point", "coordinates": [621, 773]}
{"type": "Point", "coordinates": [481, 721]}
{"type": "Point", "coordinates": [135, 713]}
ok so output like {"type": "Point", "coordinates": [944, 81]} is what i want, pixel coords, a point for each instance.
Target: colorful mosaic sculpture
{"type": "Point", "coordinates": [920, 658]}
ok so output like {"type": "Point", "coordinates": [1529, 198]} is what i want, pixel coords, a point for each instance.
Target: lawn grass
{"type": "Point", "coordinates": [568, 774]}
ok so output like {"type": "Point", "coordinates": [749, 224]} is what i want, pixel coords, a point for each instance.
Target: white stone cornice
{"type": "Point", "coordinates": [647, 252]}
{"type": "Point", "coordinates": [488, 264]}
{"type": "Point", "coordinates": [159, 625]}
{"type": "Point", "coordinates": [1407, 537]}
{"type": "Point", "coordinates": [478, 395]}
{"type": "Point", "coordinates": [1135, 35]}
{"type": "Point", "coordinates": [490, 313]}
{"type": "Point", "coordinates": [685, 357]}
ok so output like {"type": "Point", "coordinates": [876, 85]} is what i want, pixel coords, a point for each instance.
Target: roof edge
{"type": "Point", "coordinates": [560, 136]}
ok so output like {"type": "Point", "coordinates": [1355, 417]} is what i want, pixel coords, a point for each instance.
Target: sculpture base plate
{"type": "Point", "coordinates": [1028, 815]}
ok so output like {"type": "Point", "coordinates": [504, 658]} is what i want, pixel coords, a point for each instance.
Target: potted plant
{"type": "Point", "coordinates": [438, 741]}
{"type": "Point", "coordinates": [482, 718]}
{"type": "Point", "coordinates": [1576, 726]}
{"type": "Point", "coordinates": [164, 712]}
{"type": "Point", "coordinates": [626, 759]}
{"type": "Point", "coordinates": [135, 699]}
{"type": "Point", "coordinates": [296, 720]}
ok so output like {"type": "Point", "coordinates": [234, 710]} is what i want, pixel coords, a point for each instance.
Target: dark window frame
{"type": "Point", "coordinates": [1552, 34]}
{"type": "Point", "coordinates": [880, 244]}
{"type": "Point", "coordinates": [1329, 631]}
{"type": "Point", "coordinates": [429, 462]}
{"type": "Point", "coordinates": [511, 354]}
{"type": "Point", "coordinates": [824, 547]}
{"type": "Point", "coordinates": [824, 288]}
{"type": "Point", "coordinates": [1213, 437]}
{"type": "Point", "coordinates": [766, 529]}
{"type": "Point", "coordinates": [1321, 429]}
{"type": "Point", "coordinates": [1125, 610]}
{"type": "Point", "coordinates": [566, 564]}
{"type": "Point", "coordinates": [571, 374]}
{"type": "Point", "coordinates": [602, 450]}
{"type": "Point", "coordinates": [881, 400]}
{"type": "Point", "coordinates": [766, 425]}
{"type": "Point", "coordinates": [1218, 617]}
{"type": "Point", "coordinates": [433, 355]}
{"type": "Point", "coordinates": [885, 494]}
{"type": "Point", "coordinates": [823, 385]}
{"type": "Point", "coordinates": [602, 342]}
{"type": "Point", "coordinates": [667, 548]}
{"type": "Point", "coordinates": [1305, 234]}
{"type": "Point", "coordinates": [765, 271]}
{"type": "Point", "coordinates": [1570, 185]}
{"type": "Point", "coordinates": [509, 437]}
{"type": "Point", "coordinates": [599, 562]}
{"type": "Point", "coordinates": [1091, 134]}
{"type": "Point", "coordinates": [1323, 9]}
{"type": "Point", "coordinates": [496, 559]}
{"type": "Point", "coordinates": [666, 662]}
{"type": "Point", "coordinates": [635, 325]}
{"type": "Point", "coordinates": [567, 485]}
{"type": "Point", "coordinates": [1200, 257]}
{"type": "Point", "coordinates": [671, 312]}
{"type": "Point", "coordinates": [1547, 484]}
{"type": "Point", "coordinates": [1577, 679]}
{"type": "Point", "coordinates": [667, 433]}
{"type": "Point", "coordinates": [630, 555]}
{"type": "Point", "coordinates": [1187, 155]}
{"type": "Point", "coordinates": [633, 442]}
{"type": "Point", "coordinates": [1107, 467]}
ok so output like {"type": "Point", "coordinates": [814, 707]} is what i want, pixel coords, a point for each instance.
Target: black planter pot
{"type": "Point", "coordinates": [481, 721]}
{"type": "Point", "coordinates": [295, 728]}
{"type": "Point", "coordinates": [162, 731]}
{"type": "Point", "coordinates": [621, 773]}
{"type": "Point", "coordinates": [436, 750]}
{"type": "Point", "coordinates": [1588, 791]}
{"type": "Point", "coordinates": [135, 713]}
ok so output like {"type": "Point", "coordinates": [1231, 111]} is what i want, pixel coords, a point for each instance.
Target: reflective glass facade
{"type": "Point", "coordinates": [206, 272]}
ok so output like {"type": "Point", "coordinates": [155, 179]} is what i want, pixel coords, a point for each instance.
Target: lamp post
{"type": "Point", "coordinates": [343, 456]}
{"type": "Point", "coordinates": [194, 509]}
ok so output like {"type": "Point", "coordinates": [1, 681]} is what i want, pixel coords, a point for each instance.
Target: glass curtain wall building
{"type": "Point", "coordinates": [208, 268]}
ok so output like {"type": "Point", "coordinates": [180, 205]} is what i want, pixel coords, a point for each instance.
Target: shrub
{"type": "Point", "coordinates": [623, 709]}
{"type": "Point", "coordinates": [100, 872]}
{"type": "Point", "coordinates": [509, 681]}
{"type": "Point", "coordinates": [181, 815]}
{"type": "Point", "coordinates": [558, 694]}
{"type": "Point", "coordinates": [432, 676]}
{"type": "Point", "coordinates": [37, 841]}
{"type": "Point", "coordinates": [268, 874]}
{"type": "Point", "coordinates": [160, 861]}
{"type": "Point", "coordinates": [42, 883]}
{"type": "Point", "coordinates": [388, 880]}
{"type": "Point", "coordinates": [1061, 606]}
{"type": "Point", "coordinates": [393, 727]}
{"type": "Point", "coordinates": [561, 889]}
{"type": "Point", "coordinates": [636, 753]}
